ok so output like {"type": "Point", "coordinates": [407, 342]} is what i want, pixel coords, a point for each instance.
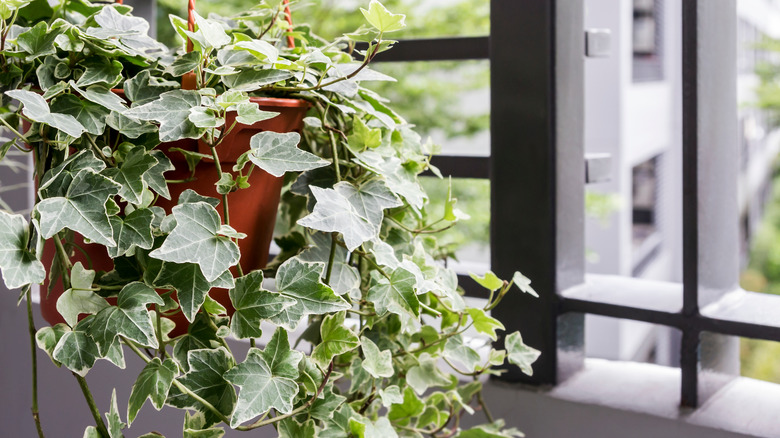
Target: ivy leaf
{"type": "Point", "coordinates": [144, 88]}
{"type": "Point", "coordinates": [289, 428]}
{"type": "Point", "coordinates": [425, 375]}
{"type": "Point", "coordinates": [128, 127]}
{"type": "Point", "coordinates": [259, 49]}
{"type": "Point", "coordinates": [391, 395]}
{"type": "Point", "coordinates": [172, 112]}
{"type": "Point", "coordinates": [301, 281]}
{"type": "Point", "coordinates": [336, 340]}
{"type": "Point", "coordinates": [489, 281]}
{"type": "Point", "coordinates": [196, 239]}
{"type": "Point", "coordinates": [131, 231]}
{"type": "Point", "coordinates": [153, 383]}
{"type": "Point", "coordinates": [344, 279]}
{"type": "Point", "coordinates": [130, 174]}
{"type": "Point", "coordinates": [366, 429]}
{"type": "Point", "coordinates": [103, 96]}
{"type": "Point", "coordinates": [377, 363]}
{"type": "Point", "coordinates": [81, 209]}
{"type": "Point", "coordinates": [395, 294]}
{"type": "Point", "coordinates": [36, 108]}
{"type": "Point", "coordinates": [253, 304]}
{"type": "Point", "coordinates": [250, 113]}
{"type": "Point", "coordinates": [210, 34]}
{"type": "Point", "coordinates": [456, 350]}
{"type": "Point", "coordinates": [364, 137]}
{"type": "Point", "coordinates": [382, 19]}
{"type": "Point", "coordinates": [411, 406]}
{"type": "Point", "coordinates": [524, 284]}
{"type": "Point", "coordinates": [90, 115]}
{"type": "Point", "coordinates": [520, 354]}
{"type": "Point", "coordinates": [7, 7]}
{"type": "Point", "coordinates": [114, 422]}
{"type": "Point", "coordinates": [79, 299]}
{"type": "Point", "coordinates": [354, 212]}
{"type": "Point", "coordinates": [278, 153]}
{"type": "Point", "coordinates": [484, 323]}
{"type": "Point", "coordinates": [129, 318]}
{"type": "Point", "coordinates": [195, 427]}
{"type": "Point", "coordinates": [76, 350]}
{"type": "Point", "coordinates": [401, 180]}
{"type": "Point", "coordinates": [100, 71]}
{"type": "Point", "coordinates": [155, 177]}
{"type": "Point", "coordinates": [184, 64]}
{"type": "Point", "coordinates": [38, 41]}
{"type": "Point", "coordinates": [19, 266]}
{"type": "Point", "coordinates": [266, 379]}
{"type": "Point", "coordinates": [47, 339]}
{"type": "Point", "coordinates": [190, 284]}
{"type": "Point", "coordinates": [205, 378]}
{"type": "Point", "coordinates": [56, 181]}
{"type": "Point", "coordinates": [251, 80]}
{"type": "Point", "coordinates": [323, 408]}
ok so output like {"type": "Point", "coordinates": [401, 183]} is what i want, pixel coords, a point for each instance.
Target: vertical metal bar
{"type": "Point", "coordinates": [537, 198]}
{"type": "Point", "coordinates": [690, 130]}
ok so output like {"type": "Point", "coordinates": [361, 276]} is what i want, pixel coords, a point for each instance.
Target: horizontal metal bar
{"type": "Point", "coordinates": [435, 49]}
{"type": "Point", "coordinates": [627, 292]}
{"type": "Point", "coordinates": [742, 313]}
{"type": "Point", "coordinates": [461, 166]}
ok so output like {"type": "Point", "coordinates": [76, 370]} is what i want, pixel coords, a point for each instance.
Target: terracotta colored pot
{"type": "Point", "coordinates": [252, 210]}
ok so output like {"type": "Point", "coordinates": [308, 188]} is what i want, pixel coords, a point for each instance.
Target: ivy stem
{"type": "Point", "coordinates": [225, 206]}
{"type": "Point", "coordinates": [294, 412]}
{"type": "Point", "coordinates": [180, 386]}
{"type": "Point", "coordinates": [331, 257]}
{"type": "Point", "coordinates": [34, 357]}
{"type": "Point", "coordinates": [101, 427]}
{"type": "Point", "coordinates": [64, 261]}
{"type": "Point", "coordinates": [484, 406]}
{"type": "Point", "coordinates": [334, 149]}
{"type": "Point", "coordinates": [11, 128]}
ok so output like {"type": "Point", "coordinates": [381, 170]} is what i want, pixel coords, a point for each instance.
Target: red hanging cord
{"type": "Point", "coordinates": [288, 14]}
{"type": "Point", "coordinates": [190, 22]}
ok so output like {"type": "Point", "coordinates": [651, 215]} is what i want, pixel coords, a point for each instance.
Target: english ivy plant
{"type": "Point", "coordinates": [365, 331]}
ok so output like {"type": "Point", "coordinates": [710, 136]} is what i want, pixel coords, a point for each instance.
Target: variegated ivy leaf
{"type": "Point", "coordinates": [254, 304]}
{"type": "Point", "coordinates": [411, 407]}
{"type": "Point", "coordinates": [76, 349]}
{"type": "Point", "coordinates": [323, 408]}
{"type": "Point", "coordinates": [209, 34]}
{"type": "Point", "coordinates": [259, 49]}
{"type": "Point", "coordinates": [377, 363]}
{"type": "Point", "coordinates": [266, 379]}
{"type": "Point", "coordinates": [335, 340]}
{"type": "Point", "coordinates": [524, 284]}
{"type": "Point", "coordinates": [114, 422]}
{"type": "Point", "coordinates": [7, 7]}
{"type": "Point", "coordinates": [129, 318]}
{"type": "Point", "coordinates": [18, 265]}
{"type": "Point", "coordinates": [362, 427]}
{"type": "Point", "coordinates": [129, 127]}
{"type": "Point", "coordinates": [207, 368]}
{"type": "Point", "coordinates": [205, 118]}
{"type": "Point", "coordinates": [391, 395]}
{"type": "Point", "coordinates": [489, 281]}
{"type": "Point", "coordinates": [155, 177]}
{"type": "Point", "coordinates": [144, 88]}
{"type": "Point", "coordinates": [48, 337]}
{"type": "Point", "coordinates": [382, 19]}
{"type": "Point", "coordinates": [456, 350]}
{"type": "Point", "coordinates": [38, 41]}
{"type": "Point", "coordinates": [520, 354]}
{"type": "Point", "coordinates": [190, 284]}
{"type": "Point", "coordinates": [36, 108]}
{"type": "Point", "coordinates": [56, 181]}
{"type": "Point", "coordinates": [103, 96]}
{"type": "Point", "coordinates": [153, 383]}
{"type": "Point", "coordinates": [250, 113]}
{"type": "Point", "coordinates": [81, 209]}
{"type": "Point", "coordinates": [251, 80]}
{"type": "Point", "coordinates": [91, 115]}
{"type": "Point", "coordinates": [80, 299]}
{"type": "Point", "coordinates": [130, 174]}
{"type": "Point", "coordinates": [184, 64]}
{"type": "Point", "coordinates": [196, 239]}
{"type": "Point", "coordinates": [133, 230]}
{"type": "Point", "coordinates": [399, 179]}
{"type": "Point", "coordinates": [395, 294]}
{"type": "Point", "coordinates": [344, 279]}
{"type": "Point", "coordinates": [195, 427]}
{"type": "Point", "coordinates": [426, 375]}
{"type": "Point", "coordinates": [302, 282]}
{"type": "Point", "coordinates": [100, 71]}
{"type": "Point", "coordinates": [289, 428]}
{"type": "Point", "coordinates": [484, 323]}
{"type": "Point", "coordinates": [355, 212]}
{"type": "Point", "coordinates": [131, 32]}
{"type": "Point", "coordinates": [172, 112]}
{"type": "Point", "coordinates": [278, 153]}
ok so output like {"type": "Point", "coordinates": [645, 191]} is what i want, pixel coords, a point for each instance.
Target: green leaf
{"type": "Point", "coordinates": [100, 71]}
{"type": "Point", "coordinates": [130, 174]}
{"type": "Point", "coordinates": [250, 113]}
{"type": "Point", "coordinates": [377, 363]}
{"type": "Point", "coordinates": [47, 339]}
{"type": "Point", "coordinates": [344, 279]}
{"type": "Point", "coordinates": [366, 429]}
{"type": "Point", "coordinates": [400, 180]}
{"type": "Point", "coordinates": [395, 294]}
{"type": "Point", "coordinates": [205, 378]}
{"type": "Point", "coordinates": [172, 112]}
{"type": "Point", "coordinates": [363, 137]}
{"type": "Point", "coordinates": [90, 115]}
{"type": "Point", "coordinates": [524, 284]}
{"type": "Point", "coordinates": [190, 284]}
{"type": "Point", "coordinates": [76, 350]}
{"type": "Point", "coordinates": [38, 41]}
{"type": "Point", "coordinates": [103, 96]}
{"type": "Point", "coordinates": [412, 406]}
{"type": "Point", "coordinates": [290, 428]}
{"type": "Point", "coordinates": [114, 422]}
{"type": "Point", "coordinates": [184, 64]}
{"type": "Point", "coordinates": [132, 231]}
{"type": "Point", "coordinates": [81, 209]}
{"type": "Point", "coordinates": [354, 212]}
{"type": "Point", "coordinates": [266, 379]}
{"type": "Point", "coordinates": [129, 318]}
{"type": "Point", "coordinates": [251, 80]}
{"type": "Point", "coordinates": [484, 323]}
{"type": "Point", "coordinates": [19, 266]}
{"type": "Point", "coordinates": [38, 110]}
{"type": "Point", "coordinates": [129, 127]}
{"type": "Point", "coordinates": [520, 354]}
{"type": "Point", "coordinates": [278, 153]}
{"type": "Point", "coordinates": [489, 281]}
{"type": "Point", "coordinates": [7, 7]}
{"type": "Point", "coordinates": [195, 240]}
{"type": "Point", "coordinates": [144, 88]}
{"type": "Point", "coordinates": [323, 408]}
{"type": "Point", "coordinates": [153, 383]}
{"type": "Point", "coordinates": [254, 304]}
{"type": "Point", "coordinates": [336, 340]}
{"type": "Point", "coordinates": [382, 19]}
{"type": "Point", "coordinates": [301, 281]}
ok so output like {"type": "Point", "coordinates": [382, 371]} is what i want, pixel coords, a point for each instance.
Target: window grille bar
{"type": "Point", "coordinates": [436, 49]}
